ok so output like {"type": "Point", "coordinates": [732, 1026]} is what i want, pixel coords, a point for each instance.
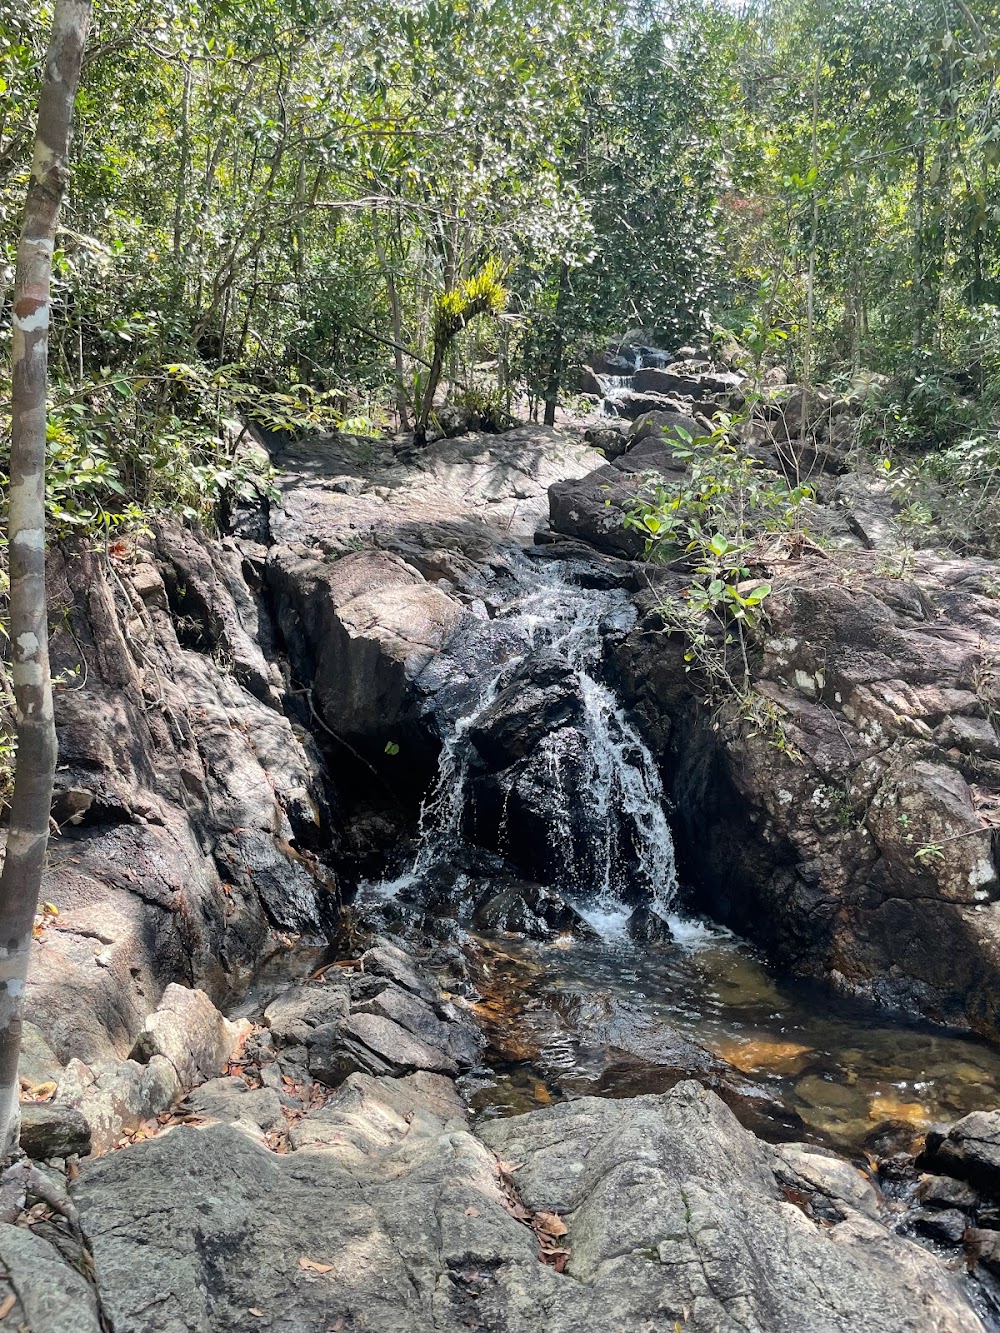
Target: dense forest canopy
{"type": "Point", "coordinates": [269, 198]}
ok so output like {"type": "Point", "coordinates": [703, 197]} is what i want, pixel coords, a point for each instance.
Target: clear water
{"type": "Point", "coordinates": [859, 1078]}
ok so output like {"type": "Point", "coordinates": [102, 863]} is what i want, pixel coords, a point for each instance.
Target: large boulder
{"type": "Point", "coordinates": [593, 508]}
{"type": "Point", "coordinates": [361, 628]}
{"type": "Point", "coordinates": [854, 836]}
{"type": "Point", "coordinates": [969, 1150]}
{"type": "Point", "coordinates": [695, 380]}
{"type": "Point", "coordinates": [662, 425]}
{"type": "Point", "coordinates": [389, 1215]}
{"type": "Point", "coordinates": [181, 789]}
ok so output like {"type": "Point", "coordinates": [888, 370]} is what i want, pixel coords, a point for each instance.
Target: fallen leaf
{"type": "Point", "coordinates": [254, 1310]}
{"type": "Point", "coordinates": [542, 1095]}
{"type": "Point", "coordinates": [888, 1107]}
{"type": "Point", "coordinates": [551, 1223]}
{"type": "Point", "coordinates": [313, 1266]}
{"type": "Point", "coordinates": [9, 1301]}
{"type": "Point", "coordinates": [556, 1259]}
{"type": "Point", "coordinates": [768, 1054]}
{"type": "Point", "coordinates": [38, 1092]}
{"type": "Point", "coordinates": [472, 1212]}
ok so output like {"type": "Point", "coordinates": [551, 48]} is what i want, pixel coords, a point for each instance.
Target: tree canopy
{"type": "Point", "coordinates": [270, 198]}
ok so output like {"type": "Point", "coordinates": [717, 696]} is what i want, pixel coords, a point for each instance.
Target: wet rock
{"type": "Point", "coordinates": [662, 1058]}
{"type": "Point", "coordinates": [49, 1129]}
{"type": "Point", "coordinates": [188, 1030]}
{"type": "Point", "coordinates": [694, 380]}
{"type": "Point", "coordinates": [593, 509]}
{"type": "Point", "coordinates": [531, 910]}
{"type": "Point", "coordinates": [648, 346]}
{"type": "Point", "coordinates": [645, 926]}
{"type": "Point", "coordinates": [946, 1225]}
{"type": "Point", "coordinates": [946, 1192]}
{"type": "Point", "coordinates": [633, 405]}
{"type": "Point", "coordinates": [51, 1296]}
{"type": "Point", "coordinates": [541, 697]}
{"type": "Point", "coordinates": [540, 812]}
{"type": "Point", "coordinates": [230, 1099]}
{"type": "Point", "coordinates": [612, 362]}
{"type": "Point", "coordinates": [833, 1188]}
{"type": "Point", "coordinates": [829, 860]}
{"type": "Point", "coordinates": [898, 1166]}
{"type": "Point", "coordinates": [984, 1248]}
{"type": "Point", "coordinates": [894, 1137]}
{"type": "Point", "coordinates": [969, 1150]}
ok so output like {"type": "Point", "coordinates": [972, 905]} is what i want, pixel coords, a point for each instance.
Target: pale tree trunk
{"type": "Point", "coordinates": [36, 735]}
{"type": "Point", "coordinates": [402, 402]}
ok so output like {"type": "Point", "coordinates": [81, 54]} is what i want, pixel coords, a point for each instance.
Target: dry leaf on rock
{"type": "Point", "coordinates": [551, 1223]}
{"type": "Point", "coordinates": [314, 1266]}
{"type": "Point", "coordinates": [556, 1259]}
{"type": "Point", "coordinates": [9, 1301]}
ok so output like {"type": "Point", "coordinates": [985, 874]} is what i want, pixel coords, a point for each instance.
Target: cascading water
{"type": "Point", "coordinates": [614, 386]}
{"type": "Point", "coordinates": [604, 800]}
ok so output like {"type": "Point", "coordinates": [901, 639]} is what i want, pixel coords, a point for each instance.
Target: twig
{"type": "Point", "coordinates": [24, 1178]}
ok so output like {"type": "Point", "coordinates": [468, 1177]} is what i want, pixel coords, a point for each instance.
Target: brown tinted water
{"type": "Point", "coordinates": [859, 1077]}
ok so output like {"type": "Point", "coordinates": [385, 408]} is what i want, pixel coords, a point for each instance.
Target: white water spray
{"type": "Point", "coordinates": [628, 837]}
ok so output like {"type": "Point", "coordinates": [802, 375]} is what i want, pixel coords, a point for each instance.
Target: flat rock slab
{"type": "Point", "coordinates": [393, 1217]}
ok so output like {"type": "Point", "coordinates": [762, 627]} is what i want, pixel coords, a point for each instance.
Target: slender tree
{"type": "Point", "coordinates": [36, 735]}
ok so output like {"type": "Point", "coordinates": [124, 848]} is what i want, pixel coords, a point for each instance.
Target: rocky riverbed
{"type": "Point", "coordinates": [247, 727]}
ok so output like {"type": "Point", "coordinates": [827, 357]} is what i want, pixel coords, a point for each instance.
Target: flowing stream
{"type": "Point", "coordinates": [856, 1076]}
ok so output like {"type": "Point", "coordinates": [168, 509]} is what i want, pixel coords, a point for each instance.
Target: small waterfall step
{"type": "Point", "coordinates": [539, 760]}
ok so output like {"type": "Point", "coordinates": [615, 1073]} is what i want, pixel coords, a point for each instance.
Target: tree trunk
{"type": "Point", "coordinates": [36, 735]}
{"type": "Point", "coordinates": [918, 248]}
{"type": "Point", "coordinates": [558, 351]}
{"type": "Point", "coordinates": [402, 402]}
{"type": "Point", "coordinates": [430, 389]}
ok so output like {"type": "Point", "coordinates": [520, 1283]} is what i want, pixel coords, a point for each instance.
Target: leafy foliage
{"type": "Point", "coordinates": [711, 523]}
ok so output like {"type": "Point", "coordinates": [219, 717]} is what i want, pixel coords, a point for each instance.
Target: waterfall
{"type": "Point", "coordinates": [598, 766]}
{"type": "Point", "coordinates": [614, 386]}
